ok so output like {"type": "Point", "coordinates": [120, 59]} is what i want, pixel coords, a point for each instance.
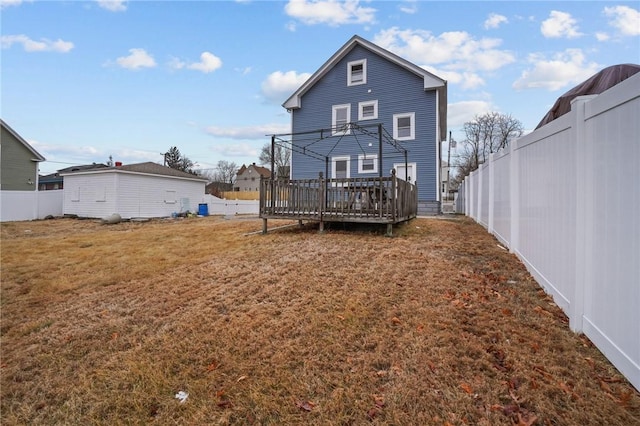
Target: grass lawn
{"type": "Point", "coordinates": [439, 325]}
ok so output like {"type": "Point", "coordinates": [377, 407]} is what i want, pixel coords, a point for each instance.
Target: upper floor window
{"type": "Point", "coordinates": [357, 72]}
{"type": "Point", "coordinates": [404, 126]}
{"type": "Point", "coordinates": [368, 110]}
{"type": "Point", "coordinates": [341, 116]}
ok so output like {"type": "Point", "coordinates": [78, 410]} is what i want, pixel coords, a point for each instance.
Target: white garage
{"type": "Point", "coordinates": [143, 190]}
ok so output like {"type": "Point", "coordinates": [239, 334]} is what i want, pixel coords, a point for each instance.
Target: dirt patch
{"type": "Point", "coordinates": [437, 325]}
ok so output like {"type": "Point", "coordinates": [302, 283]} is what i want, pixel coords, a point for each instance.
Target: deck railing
{"type": "Point", "coordinates": [379, 199]}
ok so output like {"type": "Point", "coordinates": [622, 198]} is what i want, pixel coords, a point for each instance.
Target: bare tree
{"type": "Point", "coordinates": [484, 135]}
{"type": "Point", "coordinates": [225, 172]}
{"type": "Point", "coordinates": [281, 157]}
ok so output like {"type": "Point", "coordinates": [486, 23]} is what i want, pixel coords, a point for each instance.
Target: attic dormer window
{"type": "Point", "coordinates": [357, 72]}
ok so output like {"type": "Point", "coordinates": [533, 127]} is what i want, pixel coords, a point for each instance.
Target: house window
{"type": "Point", "coordinates": [341, 115]}
{"type": "Point", "coordinates": [357, 72]}
{"type": "Point", "coordinates": [340, 168]}
{"type": "Point", "coordinates": [368, 110]}
{"type": "Point", "coordinates": [367, 163]}
{"type": "Point", "coordinates": [404, 126]}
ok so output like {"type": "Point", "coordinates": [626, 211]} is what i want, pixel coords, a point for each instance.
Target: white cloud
{"type": "Point", "coordinates": [138, 58]}
{"type": "Point", "coordinates": [44, 45]}
{"type": "Point", "coordinates": [243, 71]}
{"type": "Point", "coordinates": [247, 132]}
{"type": "Point", "coordinates": [409, 6]}
{"type": "Point", "coordinates": [278, 85]}
{"type": "Point", "coordinates": [625, 19]}
{"type": "Point", "coordinates": [177, 64]}
{"type": "Point", "coordinates": [330, 12]}
{"type": "Point", "coordinates": [208, 63]}
{"type": "Point", "coordinates": [494, 20]}
{"type": "Point", "coordinates": [459, 113]}
{"type": "Point", "coordinates": [457, 49]}
{"type": "Point", "coordinates": [560, 24]}
{"type": "Point", "coordinates": [466, 80]}
{"type": "Point", "coordinates": [113, 5]}
{"type": "Point", "coordinates": [565, 68]}
{"type": "Point", "coordinates": [236, 150]}
{"type": "Point", "coordinates": [600, 36]}
{"type": "Point", "coordinates": [7, 3]}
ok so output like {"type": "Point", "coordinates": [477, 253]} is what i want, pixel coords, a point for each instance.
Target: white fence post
{"type": "Point", "coordinates": [583, 159]}
{"type": "Point", "coordinates": [514, 196]}
{"type": "Point", "coordinates": [492, 195]}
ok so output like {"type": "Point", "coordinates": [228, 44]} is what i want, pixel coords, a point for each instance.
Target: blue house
{"type": "Point", "coordinates": [360, 89]}
{"type": "Point", "coordinates": [366, 131]}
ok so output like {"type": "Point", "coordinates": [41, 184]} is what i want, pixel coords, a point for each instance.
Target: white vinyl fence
{"type": "Point", "coordinates": [29, 205]}
{"type": "Point", "coordinates": [566, 200]}
{"type": "Point", "coordinates": [230, 207]}
{"type": "Point", "coordinates": [32, 205]}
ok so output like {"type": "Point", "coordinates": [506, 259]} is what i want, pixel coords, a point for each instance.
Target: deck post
{"type": "Point", "coordinates": [394, 195]}
{"type": "Point", "coordinates": [264, 226]}
{"type": "Point", "coordinates": [321, 202]}
{"type": "Point", "coordinates": [389, 230]}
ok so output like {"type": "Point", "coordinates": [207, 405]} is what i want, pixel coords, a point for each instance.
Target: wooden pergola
{"type": "Point", "coordinates": [383, 199]}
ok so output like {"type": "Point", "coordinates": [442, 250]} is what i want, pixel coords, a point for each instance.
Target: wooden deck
{"type": "Point", "coordinates": [383, 200]}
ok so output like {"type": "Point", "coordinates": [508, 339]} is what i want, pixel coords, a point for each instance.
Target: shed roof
{"type": "Point", "coordinates": [147, 168]}
{"type": "Point", "coordinates": [37, 156]}
{"type": "Point", "coordinates": [431, 81]}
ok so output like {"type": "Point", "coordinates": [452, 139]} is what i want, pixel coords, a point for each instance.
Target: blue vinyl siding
{"type": "Point", "coordinates": [397, 91]}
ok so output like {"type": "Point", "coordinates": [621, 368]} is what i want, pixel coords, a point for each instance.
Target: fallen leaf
{"type": "Point", "coordinates": [396, 320]}
{"type": "Point", "coordinates": [378, 400]}
{"type": "Point", "coordinates": [114, 336]}
{"type": "Point", "coordinates": [420, 327]}
{"type": "Point", "coordinates": [224, 403]}
{"type": "Point", "coordinates": [373, 413]}
{"type": "Point", "coordinates": [214, 365]}
{"type": "Point", "coordinates": [510, 409]}
{"type": "Point", "coordinates": [340, 317]}
{"type": "Point", "coordinates": [507, 312]}
{"type": "Point", "coordinates": [604, 386]}
{"type": "Point", "coordinates": [625, 398]}
{"type": "Point", "coordinates": [241, 378]}
{"type": "Point", "coordinates": [526, 421]}
{"type": "Point", "coordinates": [467, 388]}
{"type": "Point", "coordinates": [305, 405]}
{"type": "Point", "coordinates": [591, 362]}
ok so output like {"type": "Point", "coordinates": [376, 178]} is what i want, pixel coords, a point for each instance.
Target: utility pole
{"type": "Point", "coordinates": [448, 166]}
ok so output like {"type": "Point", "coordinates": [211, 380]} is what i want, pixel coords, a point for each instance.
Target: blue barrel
{"type": "Point", "coordinates": [203, 209]}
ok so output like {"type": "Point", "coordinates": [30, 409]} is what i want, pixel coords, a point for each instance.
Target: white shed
{"type": "Point", "coordinates": [143, 190]}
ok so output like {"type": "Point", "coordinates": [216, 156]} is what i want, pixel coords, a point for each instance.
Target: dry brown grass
{"type": "Point", "coordinates": [438, 325]}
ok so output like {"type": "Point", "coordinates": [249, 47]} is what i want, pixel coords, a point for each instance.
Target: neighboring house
{"type": "Point", "coordinates": [143, 190]}
{"type": "Point", "coordinates": [363, 84]}
{"type": "Point", "coordinates": [248, 178]}
{"type": "Point", "coordinates": [444, 176]}
{"type": "Point", "coordinates": [18, 162]}
{"type": "Point", "coordinates": [55, 180]}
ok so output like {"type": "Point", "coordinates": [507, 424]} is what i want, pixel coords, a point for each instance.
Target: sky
{"type": "Point", "coordinates": [85, 80]}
